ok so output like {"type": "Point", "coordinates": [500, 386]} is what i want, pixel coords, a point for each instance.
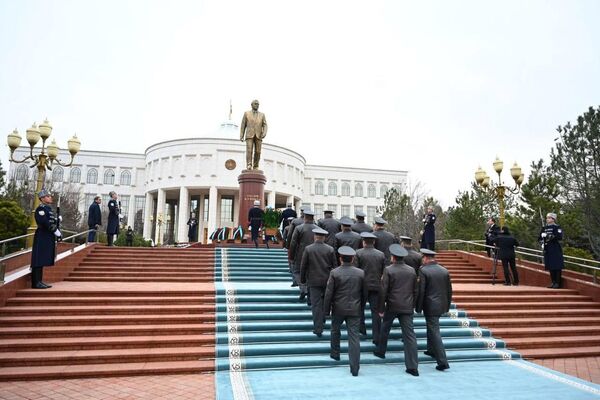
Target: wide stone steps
{"type": "Point", "coordinates": [173, 279]}
{"type": "Point", "coordinates": [541, 331]}
{"type": "Point", "coordinates": [95, 320]}
{"type": "Point", "coordinates": [107, 310]}
{"type": "Point", "coordinates": [104, 331]}
{"type": "Point", "coordinates": [527, 305]}
{"type": "Point", "coordinates": [100, 301]}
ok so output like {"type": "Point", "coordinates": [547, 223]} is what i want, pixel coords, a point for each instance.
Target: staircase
{"type": "Point", "coordinates": [462, 271]}
{"type": "Point", "coordinates": [129, 321]}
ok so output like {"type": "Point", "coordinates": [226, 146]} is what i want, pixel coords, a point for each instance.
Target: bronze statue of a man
{"type": "Point", "coordinates": [254, 127]}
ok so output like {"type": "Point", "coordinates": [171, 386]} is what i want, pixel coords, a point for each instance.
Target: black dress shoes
{"type": "Point", "coordinates": [336, 358]}
{"type": "Point", "coordinates": [413, 372]}
{"type": "Point", "coordinates": [39, 285]}
{"type": "Point", "coordinates": [294, 284]}
{"type": "Point", "coordinates": [45, 284]}
{"type": "Point", "coordinates": [378, 354]}
{"type": "Point", "coordinates": [429, 353]}
{"type": "Point", "coordinates": [442, 367]}
{"type": "Point", "coordinates": [319, 334]}
{"type": "Point", "coordinates": [302, 296]}
{"type": "Point", "coordinates": [506, 283]}
{"type": "Point", "coordinates": [354, 373]}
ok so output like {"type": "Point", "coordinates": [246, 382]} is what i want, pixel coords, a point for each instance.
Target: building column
{"type": "Point", "coordinates": [184, 214]}
{"type": "Point", "coordinates": [160, 209]}
{"type": "Point", "coordinates": [131, 211]}
{"type": "Point", "coordinates": [271, 199]}
{"type": "Point", "coordinates": [201, 223]}
{"type": "Point", "coordinates": [212, 209]}
{"type": "Point", "coordinates": [297, 206]}
{"type": "Point", "coordinates": [148, 211]}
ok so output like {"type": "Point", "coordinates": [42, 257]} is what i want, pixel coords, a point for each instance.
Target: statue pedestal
{"type": "Point", "coordinates": [252, 187]}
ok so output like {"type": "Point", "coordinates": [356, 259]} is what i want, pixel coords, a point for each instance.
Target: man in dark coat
{"type": "Point", "coordinates": [317, 261]}
{"type": "Point", "coordinates": [492, 231]}
{"type": "Point", "coordinates": [397, 299]}
{"type": "Point", "coordinates": [129, 237]}
{"type": "Point", "coordinates": [293, 224]}
{"type": "Point", "coordinates": [255, 221]}
{"type": "Point", "coordinates": [345, 298]}
{"type": "Point", "coordinates": [434, 299]}
{"type": "Point", "coordinates": [347, 237]}
{"type": "Point", "coordinates": [285, 216]}
{"type": "Point", "coordinates": [506, 244]}
{"type": "Point", "coordinates": [114, 213]}
{"type": "Point", "coordinates": [428, 232]}
{"type": "Point", "coordinates": [94, 218]}
{"type": "Point", "coordinates": [554, 261]}
{"type": "Point", "coordinates": [302, 237]}
{"type": "Point", "coordinates": [413, 258]}
{"type": "Point", "coordinates": [361, 226]}
{"type": "Point", "coordinates": [192, 228]}
{"type": "Point", "coordinates": [331, 225]}
{"type": "Point", "coordinates": [372, 262]}
{"type": "Point", "coordinates": [43, 251]}
{"type": "Point", "coordinates": [384, 238]}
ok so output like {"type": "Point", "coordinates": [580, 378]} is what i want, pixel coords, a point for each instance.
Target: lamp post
{"type": "Point", "coordinates": [45, 159]}
{"type": "Point", "coordinates": [499, 189]}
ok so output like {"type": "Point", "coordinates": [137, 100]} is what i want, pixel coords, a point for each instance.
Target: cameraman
{"type": "Point", "coordinates": [490, 234]}
{"type": "Point", "coordinates": [506, 244]}
{"type": "Point", "coordinates": [554, 261]}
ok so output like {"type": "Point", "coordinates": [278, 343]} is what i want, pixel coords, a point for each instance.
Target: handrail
{"type": "Point", "coordinates": [15, 238]}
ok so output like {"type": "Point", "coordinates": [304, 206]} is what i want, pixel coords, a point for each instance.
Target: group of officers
{"type": "Point", "coordinates": [340, 265]}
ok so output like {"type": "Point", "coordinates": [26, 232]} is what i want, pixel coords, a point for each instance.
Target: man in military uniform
{"type": "Point", "coordinates": [434, 299]}
{"type": "Point", "coordinates": [331, 225]}
{"type": "Point", "coordinates": [284, 219]}
{"type": "Point", "coordinates": [254, 130]}
{"type": "Point", "coordinates": [255, 222]}
{"type": "Point", "coordinates": [384, 238]}
{"type": "Point", "coordinates": [293, 224]}
{"type": "Point", "coordinates": [192, 228]}
{"type": "Point", "coordinates": [114, 214]}
{"type": "Point", "coordinates": [413, 258]}
{"type": "Point", "coordinates": [428, 232]}
{"type": "Point", "coordinates": [286, 230]}
{"type": "Point", "coordinates": [554, 261]}
{"type": "Point", "coordinates": [94, 218]}
{"type": "Point", "coordinates": [43, 251]}
{"type": "Point", "coordinates": [360, 226]}
{"type": "Point", "coordinates": [347, 237]}
{"type": "Point", "coordinates": [302, 237]}
{"type": "Point", "coordinates": [345, 298]}
{"type": "Point", "coordinates": [372, 262]}
{"type": "Point", "coordinates": [397, 300]}
{"type": "Point", "coordinates": [317, 261]}
{"type": "Point", "coordinates": [506, 244]}
{"type": "Point", "coordinates": [492, 231]}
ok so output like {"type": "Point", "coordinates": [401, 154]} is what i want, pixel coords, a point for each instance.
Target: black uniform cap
{"type": "Point", "coordinates": [427, 252]}
{"type": "Point", "coordinates": [319, 231]}
{"type": "Point", "coordinates": [346, 251]}
{"type": "Point", "coordinates": [360, 214]}
{"type": "Point", "coordinates": [367, 235]}
{"type": "Point", "coordinates": [346, 221]}
{"type": "Point", "coordinates": [397, 250]}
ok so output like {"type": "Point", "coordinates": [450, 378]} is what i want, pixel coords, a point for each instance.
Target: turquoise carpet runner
{"type": "Point", "coordinates": [261, 325]}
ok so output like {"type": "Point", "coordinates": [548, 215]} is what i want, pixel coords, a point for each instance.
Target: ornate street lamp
{"type": "Point", "coordinates": [499, 189]}
{"type": "Point", "coordinates": [45, 159]}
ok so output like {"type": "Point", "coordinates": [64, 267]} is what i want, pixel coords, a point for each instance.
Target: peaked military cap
{"type": "Point", "coordinates": [308, 211]}
{"type": "Point", "coordinates": [327, 212]}
{"type": "Point", "coordinates": [367, 235]}
{"type": "Point", "coordinates": [397, 250]}
{"type": "Point", "coordinates": [380, 221]}
{"type": "Point", "coordinates": [346, 251]}
{"type": "Point", "coordinates": [290, 218]}
{"type": "Point", "coordinates": [320, 231]}
{"type": "Point", "coordinates": [257, 202]}
{"type": "Point", "coordinates": [44, 193]}
{"type": "Point", "coordinates": [406, 238]}
{"type": "Point", "coordinates": [551, 215]}
{"type": "Point", "coordinates": [346, 221]}
{"type": "Point", "coordinates": [427, 252]}
{"type": "Point", "coordinates": [360, 214]}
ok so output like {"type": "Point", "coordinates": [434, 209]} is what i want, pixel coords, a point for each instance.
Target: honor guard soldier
{"type": "Point", "coordinates": [192, 228]}
{"type": "Point", "coordinates": [491, 232]}
{"type": "Point", "coordinates": [317, 261]}
{"type": "Point", "coordinates": [384, 238]}
{"type": "Point", "coordinates": [372, 262]}
{"type": "Point", "coordinates": [288, 213]}
{"type": "Point", "coordinates": [554, 262]}
{"type": "Point", "coordinates": [347, 237]}
{"type": "Point", "coordinates": [345, 298]}
{"type": "Point", "coordinates": [397, 300]}
{"type": "Point", "coordinates": [302, 237]}
{"type": "Point", "coordinates": [360, 226]}
{"type": "Point", "coordinates": [428, 232]}
{"type": "Point", "coordinates": [43, 251]}
{"type": "Point", "coordinates": [331, 225]}
{"type": "Point", "coordinates": [114, 214]}
{"type": "Point", "coordinates": [434, 299]}
{"type": "Point", "coordinates": [94, 218]}
{"type": "Point", "coordinates": [414, 258]}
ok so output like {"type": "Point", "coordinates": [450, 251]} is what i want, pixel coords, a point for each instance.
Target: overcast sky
{"type": "Point", "coordinates": [432, 87]}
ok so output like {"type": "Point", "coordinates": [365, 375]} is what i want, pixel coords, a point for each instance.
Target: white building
{"type": "Point", "coordinates": [179, 176]}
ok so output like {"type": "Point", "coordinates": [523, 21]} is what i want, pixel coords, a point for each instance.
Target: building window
{"type": "Point", "coordinates": [57, 174]}
{"type": "Point", "coordinates": [319, 188]}
{"type": "Point", "coordinates": [357, 209]}
{"type": "Point", "coordinates": [332, 207]}
{"type": "Point", "coordinates": [109, 177]}
{"type": "Point", "coordinates": [226, 209]}
{"type": "Point", "coordinates": [345, 189]}
{"type": "Point", "coordinates": [205, 208]}
{"type": "Point", "coordinates": [92, 176]}
{"type": "Point", "coordinates": [358, 190]}
{"type": "Point", "coordinates": [306, 206]}
{"type": "Point", "coordinates": [371, 212]}
{"type": "Point", "coordinates": [75, 176]}
{"type": "Point", "coordinates": [332, 189]}
{"type": "Point", "coordinates": [124, 208]}
{"type": "Point", "coordinates": [318, 211]}
{"type": "Point", "coordinates": [398, 188]}
{"type": "Point", "coordinates": [125, 178]}
{"type": "Point", "coordinates": [138, 222]}
{"type": "Point", "coordinates": [345, 210]}
{"type": "Point", "coordinates": [383, 190]}
{"type": "Point", "coordinates": [22, 173]}
{"type": "Point", "coordinates": [371, 191]}
{"type": "Point", "coordinates": [105, 200]}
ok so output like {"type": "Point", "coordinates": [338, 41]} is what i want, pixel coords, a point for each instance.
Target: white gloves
{"type": "Point", "coordinates": [120, 215]}
{"type": "Point", "coordinates": [57, 233]}
{"type": "Point", "coordinates": [60, 218]}
{"type": "Point", "coordinates": [544, 234]}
